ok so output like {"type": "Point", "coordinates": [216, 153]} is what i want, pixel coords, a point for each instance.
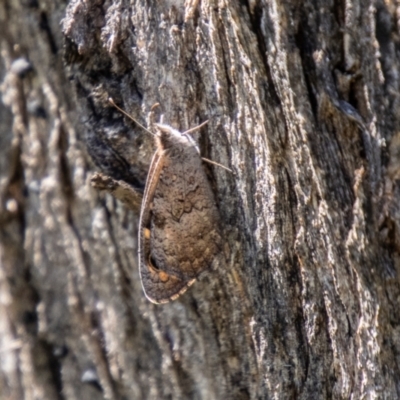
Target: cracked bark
{"type": "Point", "coordinates": [303, 103]}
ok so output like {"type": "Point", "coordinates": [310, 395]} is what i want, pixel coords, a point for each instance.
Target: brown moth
{"type": "Point", "coordinates": [179, 222]}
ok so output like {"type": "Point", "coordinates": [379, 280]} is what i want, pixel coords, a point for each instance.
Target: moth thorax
{"type": "Point", "coordinates": [168, 138]}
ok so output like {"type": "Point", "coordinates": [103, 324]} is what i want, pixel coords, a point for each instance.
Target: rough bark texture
{"type": "Point", "coordinates": [303, 103]}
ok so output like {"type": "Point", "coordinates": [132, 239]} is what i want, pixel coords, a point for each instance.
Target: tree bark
{"type": "Point", "coordinates": [302, 100]}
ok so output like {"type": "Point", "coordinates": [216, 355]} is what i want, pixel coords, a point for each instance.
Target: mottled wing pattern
{"type": "Point", "coordinates": [158, 286]}
{"type": "Point", "coordinates": [179, 234]}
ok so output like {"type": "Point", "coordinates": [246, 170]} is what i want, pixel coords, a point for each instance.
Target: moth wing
{"type": "Point", "coordinates": [158, 285]}
{"type": "Point", "coordinates": [184, 244]}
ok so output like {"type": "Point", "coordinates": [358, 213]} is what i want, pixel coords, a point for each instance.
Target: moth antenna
{"type": "Point", "coordinates": [129, 116]}
{"type": "Point", "coordinates": [217, 164]}
{"type": "Point", "coordinates": [206, 159]}
{"type": "Point", "coordinates": [151, 133]}
{"type": "Point", "coordinates": [195, 128]}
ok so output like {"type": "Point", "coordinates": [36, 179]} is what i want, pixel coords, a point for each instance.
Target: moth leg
{"type": "Point", "coordinates": [128, 195]}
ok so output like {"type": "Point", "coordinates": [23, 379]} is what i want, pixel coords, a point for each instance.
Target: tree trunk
{"type": "Point", "coordinates": [302, 100]}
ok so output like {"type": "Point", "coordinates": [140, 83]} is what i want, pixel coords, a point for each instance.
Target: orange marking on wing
{"type": "Point", "coordinates": [163, 276]}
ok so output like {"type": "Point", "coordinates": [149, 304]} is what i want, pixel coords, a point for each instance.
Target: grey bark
{"type": "Point", "coordinates": [303, 105]}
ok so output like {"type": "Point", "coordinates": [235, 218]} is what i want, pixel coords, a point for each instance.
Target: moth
{"type": "Point", "coordinates": [179, 234]}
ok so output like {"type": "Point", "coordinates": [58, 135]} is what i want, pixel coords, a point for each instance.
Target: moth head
{"type": "Point", "coordinates": [169, 137]}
